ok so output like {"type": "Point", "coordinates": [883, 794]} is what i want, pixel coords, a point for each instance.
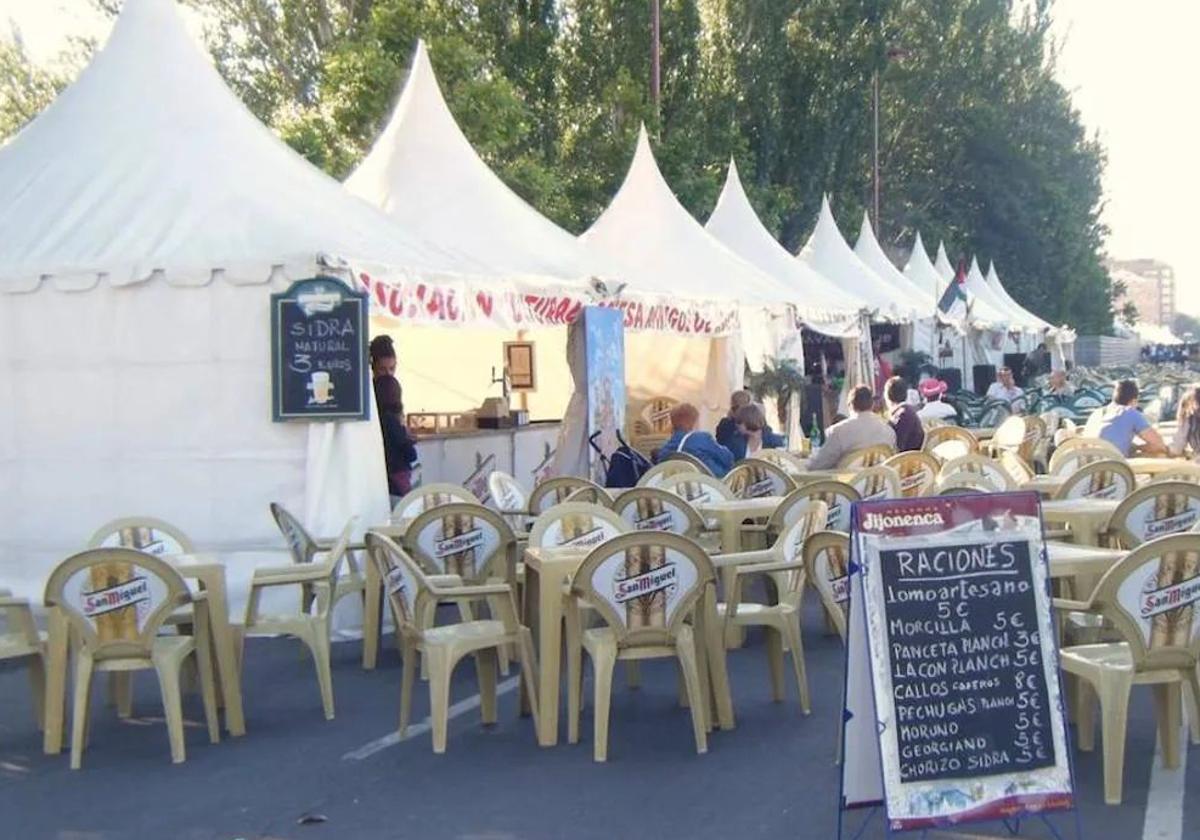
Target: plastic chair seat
{"type": "Point", "coordinates": [1090, 660]}
{"type": "Point", "coordinates": [752, 614]}
{"type": "Point", "coordinates": [468, 634]}
{"type": "Point", "coordinates": [13, 645]}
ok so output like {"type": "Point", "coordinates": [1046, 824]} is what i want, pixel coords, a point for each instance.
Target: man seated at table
{"type": "Point", "coordinates": [733, 435]}
{"type": "Point", "coordinates": [934, 409]}
{"type": "Point", "coordinates": [1004, 388]}
{"type": "Point", "coordinates": [700, 445]}
{"type": "Point", "coordinates": [1120, 421]}
{"type": "Point", "coordinates": [862, 429]}
{"type": "Point", "coordinates": [903, 417]}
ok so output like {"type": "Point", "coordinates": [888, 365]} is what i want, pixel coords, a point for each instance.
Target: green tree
{"type": "Point", "coordinates": [25, 88]}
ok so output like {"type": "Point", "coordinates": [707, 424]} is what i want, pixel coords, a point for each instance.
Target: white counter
{"type": "Point", "coordinates": [468, 458]}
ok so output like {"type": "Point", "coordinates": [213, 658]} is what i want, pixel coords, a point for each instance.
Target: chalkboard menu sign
{"type": "Point", "coordinates": [954, 642]}
{"type": "Point", "coordinates": [319, 352]}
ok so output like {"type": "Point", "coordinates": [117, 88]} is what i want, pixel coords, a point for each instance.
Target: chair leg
{"type": "Point", "coordinates": [633, 674]}
{"type": "Point", "coordinates": [796, 643]}
{"type": "Point", "coordinates": [83, 691]}
{"type": "Point", "coordinates": [775, 661]}
{"type": "Point", "coordinates": [1167, 698]}
{"type": "Point", "coordinates": [1114, 710]}
{"type": "Point", "coordinates": [168, 683]}
{"type": "Point", "coordinates": [320, 651]}
{"type": "Point", "coordinates": [208, 683]}
{"type": "Point", "coordinates": [573, 638]}
{"type": "Point", "coordinates": [440, 668]}
{"type": "Point", "coordinates": [409, 669]}
{"type": "Point", "coordinates": [528, 670]}
{"type": "Point", "coordinates": [685, 702]}
{"type": "Point", "coordinates": [1192, 685]}
{"type": "Point", "coordinates": [122, 687]}
{"type": "Point", "coordinates": [1085, 716]}
{"type": "Point", "coordinates": [685, 649]}
{"type": "Point", "coordinates": [37, 683]}
{"type": "Point", "coordinates": [486, 665]}
{"type": "Point", "coordinates": [604, 660]}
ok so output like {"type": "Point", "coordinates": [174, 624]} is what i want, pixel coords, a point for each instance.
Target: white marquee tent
{"type": "Point", "coordinates": [147, 218]}
{"type": "Point", "coordinates": [664, 251]}
{"type": "Point", "coordinates": [920, 335]}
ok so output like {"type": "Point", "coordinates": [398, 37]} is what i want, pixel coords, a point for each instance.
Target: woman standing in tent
{"type": "Point", "coordinates": [399, 450]}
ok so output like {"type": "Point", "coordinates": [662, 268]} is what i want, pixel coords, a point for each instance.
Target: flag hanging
{"type": "Point", "coordinates": [954, 303]}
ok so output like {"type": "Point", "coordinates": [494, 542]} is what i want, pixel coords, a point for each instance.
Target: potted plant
{"type": "Point", "coordinates": [779, 379]}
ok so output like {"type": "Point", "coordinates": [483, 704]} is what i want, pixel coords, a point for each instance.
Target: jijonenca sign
{"type": "Point", "coordinates": [319, 351]}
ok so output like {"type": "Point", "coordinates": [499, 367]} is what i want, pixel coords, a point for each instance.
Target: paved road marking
{"type": "Point", "coordinates": [1164, 803]}
{"type": "Point", "coordinates": [393, 738]}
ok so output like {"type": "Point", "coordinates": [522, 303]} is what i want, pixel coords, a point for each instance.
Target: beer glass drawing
{"type": "Point", "coordinates": [650, 609]}
{"type": "Point", "coordinates": [321, 387]}
{"type": "Point", "coordinates": [457, 546]}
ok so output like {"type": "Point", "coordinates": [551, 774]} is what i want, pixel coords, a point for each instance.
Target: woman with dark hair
{"type": "Point", "coordinates": [1187, 430]}
{"type": "Point", "coordinates": [399, 450]}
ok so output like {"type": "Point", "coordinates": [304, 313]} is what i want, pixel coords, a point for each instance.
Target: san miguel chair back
{"type": "Point", "coordinates": [691, 460]}
{"type": "Point", "coordinates": [879, 482]}
{"type": "Point", "coordinates": [115, 601]}
{"type": "Point", "coordinates": [554, 491]}
{"type": "Point", "coordinates": [20, 640]}
{"type": "Point", "coordinates": [575, 525]}
{"type": "Point", "coordinates": [1079, 451]}
{"type": "Point", "coordinates": [655, 476]}
{"type": "Point", "coordinates": [428, 496]}
{"type": "Point", "coordinates": [827, 559]}
{"type": "Point", "coordinates": [654, 509]}
{"type": "Point", "coordinates": [917, 472]}
{"type": "Point", "coordinates": [1155, 510]}
{"type": "Point", "coordinates": [948, 442]}
{"type": "Point", "coordinates": [1150, 597]}
{"type": "Point", "coordinates": [782, 459]}
{"type": "Point", "coordinates": [304, 548]}
{"type": "Point", "coordinates": [510, 498]}
{"type": "Point", "coordinates": [697, 489]}
{"type": "Point", "coordinates": [1018, 468]}
{"type": "Point", "coordinates": [868, 456]}
{"type": "Point", "coordinates": [965, 482]}
{"type": "Point", "coordinates": [468, 540]}
{"type": "Point", "coordinates": [413, 595]}
{"type": "Point", "coordinates": [591, 496]}
{"type": "Point", "coordinates": [837, 496]}
{"type": "Point", "coordinates": [143, 533]}
{"type": "Point", "coordinates": [753, 478]}
{"type": "Point", "coordinates": [995, 475]}
{"type": "Point", "coordinates": [645, 586]}
{"type": "Point", "coordinates": [1107, 479]}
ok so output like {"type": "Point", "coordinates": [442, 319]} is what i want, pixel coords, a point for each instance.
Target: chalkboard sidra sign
{"type": "Point", "coordinates": [319, 352]}
{"type": "Point", "coordinates": [951, 662]}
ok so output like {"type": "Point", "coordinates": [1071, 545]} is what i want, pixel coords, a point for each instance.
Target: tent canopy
{"type": "Point", "coordinates": [1020, 314]}
{"type": "Point", "coordinates": [871, 252]}
{"type": "Point", "coordinates": [734, 223]}
{"type": "Point", "coordinates": [827, 253]}
{"type": "Point", "coordinates": [985, 306]}
{"type": "Point", "coordinates": [149, 164]}
{"type": "Point", "coordinates": [665, 251]}
{"type": "Point", "coordinates": [943, 265]}
{"type": "Point", "coordinates": [920, 272]}
{"type": "Point", "coordinates": [424, 173]}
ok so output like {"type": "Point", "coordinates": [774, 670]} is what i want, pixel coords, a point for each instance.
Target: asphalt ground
{"type": "Point", "coordinates": [773, 776]}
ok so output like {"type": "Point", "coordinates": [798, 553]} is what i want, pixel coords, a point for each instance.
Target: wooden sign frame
{"type": "Point", "coordinates": [520, 363]}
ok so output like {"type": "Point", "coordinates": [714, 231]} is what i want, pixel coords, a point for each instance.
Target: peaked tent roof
{"type": "Point", "coordinates": [943, 265]}
{"type": "Point", "coordinates": [871, 252]}
{"type": "Point", "coordinates": [985, 306]}
{"type": "Point", "coordinates": [1020, 313]}
{"type": "Point", "coordinates": [827, 253]}
{"type": "Point", "coordinates": [738, 227]}
{"type": "Point", "coordinates": [920, 271]}
{"type": "Point", "coordinates": [149, 163]}
{"type": "Point", "coordinates": [665, 249]}
{"type": "Point", "coordinates": [424, 173]}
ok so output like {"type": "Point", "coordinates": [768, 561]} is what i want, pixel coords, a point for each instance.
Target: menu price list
{"type": "Point", "coordinates": [966, 661]}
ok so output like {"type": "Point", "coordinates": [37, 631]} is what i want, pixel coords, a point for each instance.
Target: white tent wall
{"type": "Point", "coordinates": [154, 400]}
{"type": "Point", "coordinates": [702, 371]}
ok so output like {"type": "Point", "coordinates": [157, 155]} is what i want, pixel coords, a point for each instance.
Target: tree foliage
{"type": "Point", "coordinates": [25, 88]}
{"type": "Point", "coordinates": [979, 144]}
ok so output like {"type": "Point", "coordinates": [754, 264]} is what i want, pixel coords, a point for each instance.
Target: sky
{"type": "Point", "coordinates": [1126, 62]}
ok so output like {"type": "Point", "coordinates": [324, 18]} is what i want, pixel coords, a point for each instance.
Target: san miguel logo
{"type": "Point", "coordinates": [1171, 524]}
{"type": "Point", "coordinates": [1169, 598]}
{"type": "Point", "coordinates": [647, 583]}
{"type": "Point", "coordinates": [131, 593]}
{"type": "Point", "coordinates": [762, 487]}
{"type": "Point", "coordinates": [587, 538]}
{"type": "Point", "coordinates": [458, 543]}
{"type": "Point", "coordinates": [885, 522]}
{"type": "Point", "coordinates": [841, 588]}
{"type": "Point", "coordinates": [657, 522]}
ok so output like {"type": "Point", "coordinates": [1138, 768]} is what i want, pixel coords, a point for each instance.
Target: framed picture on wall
{"type": "Point", "coordinates": [519, 363]}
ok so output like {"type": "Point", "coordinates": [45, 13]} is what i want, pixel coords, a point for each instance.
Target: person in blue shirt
{"type": "Point", "coordinates": [735, 436]}
{"type": "Point", "coordinates": [1120, 421]}
{"type": "Point", "coordinates": [700, 445]}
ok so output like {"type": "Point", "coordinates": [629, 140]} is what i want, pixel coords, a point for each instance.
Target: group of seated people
{"type": "Point", "coordinates": [744, 432]}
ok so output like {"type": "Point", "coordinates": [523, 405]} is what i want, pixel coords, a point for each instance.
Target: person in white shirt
{"type": "Point", "coordinates": [863, 428]}
{"type": "Point", "coordinates": [1186, 440]}
{"type": "Point", "coordinates": [1004, 389]}
{"type": "Point", "coordinates": [934, 408]}
{"type": "Point", "coordinates": [1058, 386]}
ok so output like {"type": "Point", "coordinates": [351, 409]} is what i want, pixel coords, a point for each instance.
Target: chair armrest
{"type": "Point", "coordinates": [288, 575]}
{"type": "Point", "coordinates": [743, 558]}
{"type": "Point", "coordinates": [7, 602]}
{"type": "Point", "coordinates": [328, 544]}
{"type": "Point", "coordinates": [1067, 605]}
{"type": "Point", "coordinates": [767, 568]}
{"type": "Point", "coordinates": [479, 591]}
{"type": "Point", "coordinates": [438, 581]}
